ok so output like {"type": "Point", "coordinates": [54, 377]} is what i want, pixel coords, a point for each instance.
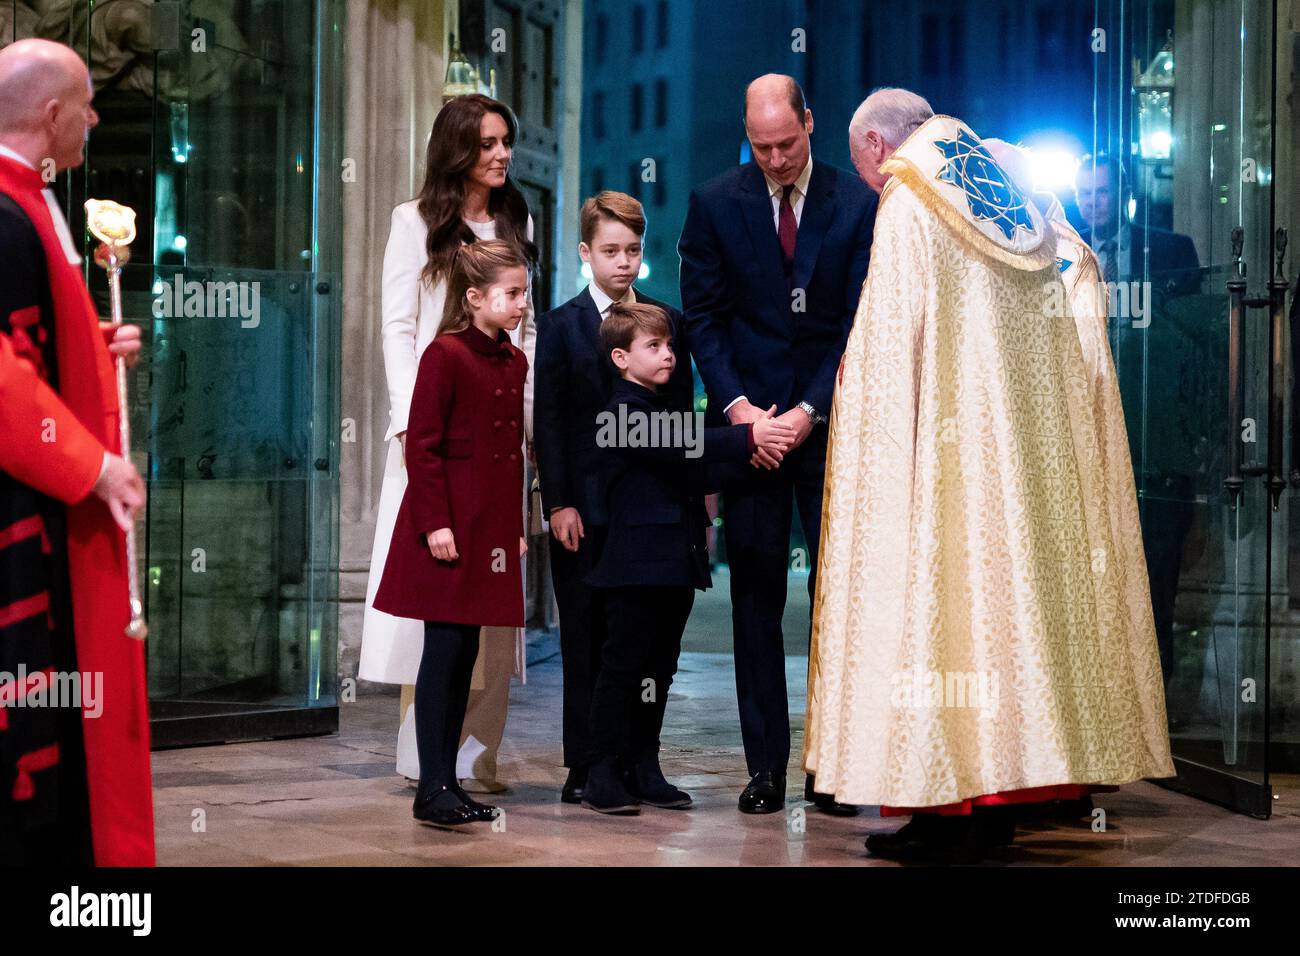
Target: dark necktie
{"type": "Point", "coordinates": [1110, 253]}
{"type": "Point", "coordinates": [787, 228]}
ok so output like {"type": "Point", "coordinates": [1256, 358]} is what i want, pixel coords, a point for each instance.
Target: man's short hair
{"type": "Point", "coordinates": [628, 320]}
{"type": "Point", "coordinates": [797, 101]}
{"type": "Point", "coordinates": [1114, 168]}
{"type": "Point", "coordinates": [610, 205]}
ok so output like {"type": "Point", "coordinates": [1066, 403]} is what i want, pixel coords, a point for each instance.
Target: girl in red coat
{"type": "Point", "coordinates": [454, 559]}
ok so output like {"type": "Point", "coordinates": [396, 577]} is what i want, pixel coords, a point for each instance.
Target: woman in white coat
{"type": "Point", "coordinates": [467, 196]}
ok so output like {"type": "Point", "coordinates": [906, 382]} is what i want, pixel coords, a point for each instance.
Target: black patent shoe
{"type": "Point", "coordinates": [765, 793]}
{"type": "Point", "coordinates": [435, 809]}
{"type": "Point", "coordinates": [480, 811]}
{"type": "Point", "coordinates": [573, 785]}
{"type": "Point", "coordinates": [825, 802]}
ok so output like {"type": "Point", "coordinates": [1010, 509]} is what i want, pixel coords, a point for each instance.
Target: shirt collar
{"type": "Point", "coordinates": [603, 302]}
{"type": "Point", "coordinates": [801, 184]}
{"type": "Point", "coordinates": [17, 157]}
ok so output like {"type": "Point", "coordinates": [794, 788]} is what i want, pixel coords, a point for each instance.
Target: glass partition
{"type": "Point", "coordinates": [1178, 201]}
{"type": "Point", "coordinates": [219, 124]}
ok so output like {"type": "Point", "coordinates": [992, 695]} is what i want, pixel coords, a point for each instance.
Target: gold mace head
{"type": "Point", "coordinates": [111, 223]}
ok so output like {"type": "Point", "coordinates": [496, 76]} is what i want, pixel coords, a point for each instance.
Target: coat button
{"type": "Point", "coordinates": [497, 424]}
{"type": "Point", "coordinates": [497, 393]}
{"type": "Point", "coordinates": [514, 456]}
{"type": "Point", "coordinates": [514, 424]}
{"type": "Point", "coordinates": [497, 456]}
{"type": "Point", "coordinates": [514, 391]}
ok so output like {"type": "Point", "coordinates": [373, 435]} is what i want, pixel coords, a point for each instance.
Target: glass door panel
{"type": "Point", "coordinates": [1178, 202]}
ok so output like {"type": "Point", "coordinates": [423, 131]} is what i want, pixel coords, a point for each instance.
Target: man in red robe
{"type": "Point", "coordinates": [74, 777]}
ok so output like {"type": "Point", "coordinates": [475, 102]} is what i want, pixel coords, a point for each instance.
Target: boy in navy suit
{"type": "Point", "coordinates": [573, 385]}
{"type": "Point", "coordinates": [657, 457]}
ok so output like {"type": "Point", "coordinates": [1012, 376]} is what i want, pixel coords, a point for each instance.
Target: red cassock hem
{"type": "Point", "coordinates": [1064, 791]}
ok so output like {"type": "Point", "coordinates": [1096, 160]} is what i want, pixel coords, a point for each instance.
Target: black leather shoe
{"type": "Point", "coordinates": [573, 784]}
{"type": "Point", "coordinates": [765, 793]}
{"type": "Point", "coordinates": [605, 792]}
{"type": "Point", "coordinates": [480, 811]}
{"type": "Point", "coordinates": [825, 802]}
{"type": "Point", "coordinates": [646, 783]}
{"type": "Point", "coordinates": [1073, 809]}
{"type": "Point", "coordinates": [946, 841]}
{"type": "Point", "coordinates": [437, 809]}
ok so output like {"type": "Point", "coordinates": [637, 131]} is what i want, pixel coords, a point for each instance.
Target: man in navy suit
{"type": "Point", "coordinates": [773, 254]}
{"type": "Point", "coordinates": [573, 385]}
{"type": "Point", "coordinates": [1170, 459]}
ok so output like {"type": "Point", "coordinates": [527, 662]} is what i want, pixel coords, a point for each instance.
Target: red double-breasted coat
{"type": "Point", "coordinates": [465, 472]}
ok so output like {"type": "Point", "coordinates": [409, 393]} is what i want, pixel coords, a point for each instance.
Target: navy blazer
{"type": "Point", "coordinates": [572, 385]}
{"type": "Point", "coordinates": [747, 333]}
{"type": "Point", "coordinates": [655, 499]}
{"type": "Point", "coordinates": [1174, 265]}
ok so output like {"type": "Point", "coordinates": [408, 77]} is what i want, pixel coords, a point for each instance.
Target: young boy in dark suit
{"type": "Point", "coordinates": [659, 462]}
{"type": "Point", "coordinates": [573, 385]}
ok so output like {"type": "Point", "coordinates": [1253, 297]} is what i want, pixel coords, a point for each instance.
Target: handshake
{"type": "Point", "coordinates": [775, 435]}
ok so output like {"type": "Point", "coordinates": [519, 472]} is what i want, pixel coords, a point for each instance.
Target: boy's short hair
{"type": "Point", "coordinates": [628, 320]}
{"type": "Point", "coordinates": [610, 205]}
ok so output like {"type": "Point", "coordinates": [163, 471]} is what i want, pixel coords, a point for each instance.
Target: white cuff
{"type": "Point", "coordinates": [738, 398]}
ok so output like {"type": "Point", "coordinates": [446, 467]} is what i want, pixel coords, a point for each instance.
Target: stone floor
{"type": "Point", "coordinates": [336, 801]}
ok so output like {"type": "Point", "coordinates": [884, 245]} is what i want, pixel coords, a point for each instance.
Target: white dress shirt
{"type": "Point", "coordinates": [797, 194]}
{"type": "Point", "coordinates": [603, 301]}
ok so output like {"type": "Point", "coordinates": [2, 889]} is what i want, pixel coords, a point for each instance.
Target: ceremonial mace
{"type": "Point", "coordinates": [114, 226]}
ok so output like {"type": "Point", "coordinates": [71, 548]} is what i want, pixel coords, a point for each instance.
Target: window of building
{"type": "Point", "coordinates": [598, 115]}
{"type": "Point", "coordinates": [634, 108]}
{"type": "Point", "coordinates": [638, 28]}
{"type": "Point", "coordinates": [866, 53]}
{"type": "Point", "coordinates": [661, 103]}
{"type": "Point", "coordinates": [661, 24]}
{"type": "Point", "coordinates": [634, 180]}
{"type": "Point", "coordinates": [957, 47]}
{"type": "Point", "coordinates": [597, 179]}
{"type": "Point", "coordinates": [601, 39]}
{"type": "Point", "coordinates": [1049, 28]}
{"type": "Point", "coordinates": [930, 45]}
{"type": "Point", "coordinates": [661, 183]}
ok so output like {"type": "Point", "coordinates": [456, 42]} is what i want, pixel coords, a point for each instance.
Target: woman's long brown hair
{"type": "Point", "coordinates": [476, 266]}
{"type": "Point", "coordinates": [452, 152]}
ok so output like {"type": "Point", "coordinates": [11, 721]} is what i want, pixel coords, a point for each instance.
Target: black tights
{"type": "Point", "coordinates": [441, 695]}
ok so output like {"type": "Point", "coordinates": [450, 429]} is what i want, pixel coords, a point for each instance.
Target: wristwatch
{"type": "Point", "coordinates": [812, 413]}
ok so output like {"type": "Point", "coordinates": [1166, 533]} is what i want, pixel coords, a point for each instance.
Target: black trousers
{"type": "Point", "coordinates": [644, 640]}
{"type": "Point", "coordinates": [1166, 522]}
{"type": "Point", "coordinates": [582, 636]}
{"type": "Point", "coordinates": [441, 694]}
{"type": "Point", "coordinates": [756, 525]}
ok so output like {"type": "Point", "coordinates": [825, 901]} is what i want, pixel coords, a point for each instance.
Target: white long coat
{"type": "Point", "coordinates": [391, 647]}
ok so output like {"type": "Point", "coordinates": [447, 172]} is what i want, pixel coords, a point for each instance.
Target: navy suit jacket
{"type": "Point", "coordinates": [572, 385]}
{"type": "Point", "coordinates": [655, 498]}
{"type": "Point", "coordinates": [1173, 264]}
{"type": "Point", "coordinates": [747, 334]}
